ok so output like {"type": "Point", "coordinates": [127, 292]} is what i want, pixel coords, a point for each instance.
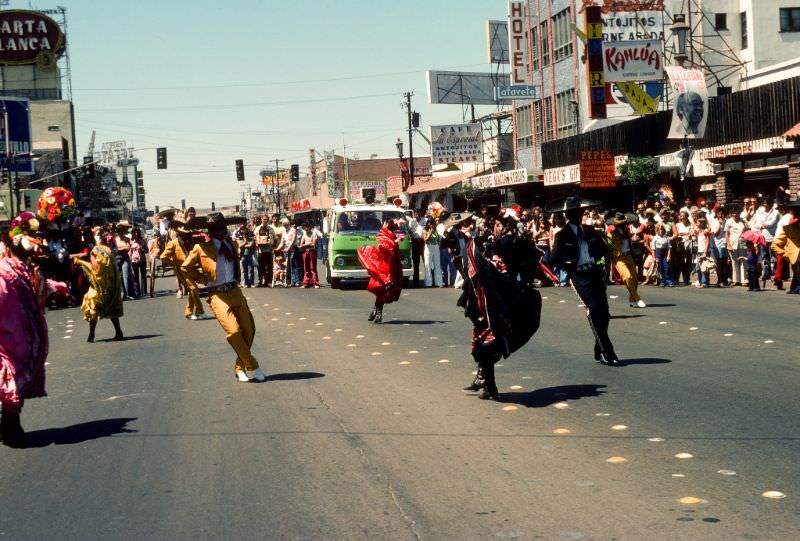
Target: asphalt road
{"type": "Point", "coordinates": [363, 431]}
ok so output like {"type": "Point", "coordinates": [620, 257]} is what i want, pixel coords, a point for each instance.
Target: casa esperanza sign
{"type": "Point", "coordinates": [26, 36]}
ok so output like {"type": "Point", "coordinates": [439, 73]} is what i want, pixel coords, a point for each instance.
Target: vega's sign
{"type": "Point", "coordinates": [27, 35]}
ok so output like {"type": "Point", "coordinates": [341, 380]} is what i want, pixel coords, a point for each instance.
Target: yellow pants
{"type": "Point", "coordinates": [626, 269]}
{"type": "Point", "coordinates": [231, 310]}
{"type": "Point", "coordinates": [193, 306]}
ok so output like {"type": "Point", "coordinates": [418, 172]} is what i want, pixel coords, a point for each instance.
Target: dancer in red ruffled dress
{"type": "Point", "coordinates": [384, 267]}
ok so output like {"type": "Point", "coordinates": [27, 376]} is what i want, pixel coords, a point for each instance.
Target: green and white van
{"type": "Point", "coordinates": [349, 226]}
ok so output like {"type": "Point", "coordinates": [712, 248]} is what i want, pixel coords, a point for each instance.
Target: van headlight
{"type": "Point", "coordinates": [339, 261]}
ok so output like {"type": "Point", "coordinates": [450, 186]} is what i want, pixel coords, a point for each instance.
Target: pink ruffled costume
{"type": "Point", "coordinates": [23, 335]}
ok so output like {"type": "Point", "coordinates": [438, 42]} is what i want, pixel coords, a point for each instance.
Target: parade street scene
{"type": "Point", "coordinates": [359, 271]}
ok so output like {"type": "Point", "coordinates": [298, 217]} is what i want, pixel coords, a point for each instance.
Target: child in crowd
{"type": "Point", "coordinates": [661, 249]}
{"type": "Point", "coordinates": [278, 269]}
{"type": "Point", "coordinates": [752, 267]}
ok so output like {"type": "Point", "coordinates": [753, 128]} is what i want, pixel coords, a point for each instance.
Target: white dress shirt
{"type": "Point", "coordinates": [225, 270]}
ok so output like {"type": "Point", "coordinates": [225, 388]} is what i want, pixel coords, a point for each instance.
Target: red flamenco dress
{"type": "Point", "coordinates": [382, 262]}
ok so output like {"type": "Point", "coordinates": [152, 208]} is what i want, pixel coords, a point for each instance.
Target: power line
{"type": "Point", "coordinates": [266, 83]}
{"type": "Point", "coordinates": [239, 105]}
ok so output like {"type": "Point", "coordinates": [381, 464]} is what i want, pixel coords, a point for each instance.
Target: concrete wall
{"type": "Point", "coordinates": [50, 121]}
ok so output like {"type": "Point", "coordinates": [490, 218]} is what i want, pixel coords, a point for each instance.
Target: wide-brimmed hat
{"type": "Point", "coordinates": [650, 212]}
{"type": "Point", "coordinates": [167, 213]}
{"type": "Point", "coordinates": [621, 218]}
{"type": "Point", "coordinates": [123, 224]}
{"type": "Point", "coordinates": [570, 203]}
{"type": "Point", "coordinates": [214, 220]}
{"type": "Point", "coordinates": [455, 218]}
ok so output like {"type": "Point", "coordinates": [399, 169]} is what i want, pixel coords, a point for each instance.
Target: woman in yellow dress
{"type": "Point", "coordinates": [104, 298]}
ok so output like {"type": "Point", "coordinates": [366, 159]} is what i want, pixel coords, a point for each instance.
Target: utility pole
{"type": "Point", "coordinates": [410, 140]}
{"type": "Point", "coordinates": [278, 191]}
{"type": "Point", "coordinates": [11, 213]}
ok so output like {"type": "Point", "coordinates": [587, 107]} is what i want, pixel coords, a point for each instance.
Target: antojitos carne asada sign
{"type": "Point", "coordinates": [24, 35]}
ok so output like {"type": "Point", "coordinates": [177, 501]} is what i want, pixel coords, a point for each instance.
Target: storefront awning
{"type": "Point", "coordinates": [793, 134]}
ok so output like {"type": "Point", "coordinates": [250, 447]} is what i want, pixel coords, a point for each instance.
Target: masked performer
{"type": "Point", "coordinates": [216, 264]}
{"type": "Point", "coordinates": [384, 267]}
{"type": "Point", "coordinates": [174, 255]}
{"type": "Point", "coordinates": [499, 297]}
{"type": "Point", "coordinates": [104, 298]}
{"type": "Point", "coordinates": [577, 248]}
{"type": "Point", "coordinates": [23, 329]}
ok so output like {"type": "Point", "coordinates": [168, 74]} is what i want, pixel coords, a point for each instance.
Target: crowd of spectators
{"type": "Point", "coordinates": [672, 245]}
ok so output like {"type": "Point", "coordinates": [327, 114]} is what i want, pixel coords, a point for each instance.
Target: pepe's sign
{"type": "Point", "coordinates": [25, 35]}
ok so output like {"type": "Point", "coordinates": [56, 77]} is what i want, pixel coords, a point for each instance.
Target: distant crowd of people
{"type": "Point", "coordinates": [670, 244]}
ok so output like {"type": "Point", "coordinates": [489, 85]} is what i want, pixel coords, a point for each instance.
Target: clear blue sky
{"type": "Point", "coordinates": [259, 80]}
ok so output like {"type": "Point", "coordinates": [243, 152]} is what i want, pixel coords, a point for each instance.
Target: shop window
{"type": "Point", "coordinates": [790, 19]}
{"type": "Point", "coordinates": [720, 21]}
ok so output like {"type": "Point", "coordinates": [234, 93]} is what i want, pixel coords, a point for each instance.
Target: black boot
{"type": "Point", "coordinates": [489, 391]}
{"type": "Point", "coordinates": [118, 334]}
{"type": "Point", "coordinates": [378, 316]}
{"type": "Point", "coordinates": [610, 357]}
{"type": "Point", "coordinates": [477, 383]}
{"type": "Point", "coordinates": [11, 430]}
{"type": "Point", "coordinates": [372, 314]}
{"type": "Point", "coordinates": [597, 350]}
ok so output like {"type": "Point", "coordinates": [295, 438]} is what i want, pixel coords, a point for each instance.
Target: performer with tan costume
{"type": "Point", "coordinates": [217, 265]}
{"type": "Point", "coordinates": [787, 244]}
{"type": "Point", "coordinates": [174, 255]}
{"type": "Point", "coordinates": [622, 256]}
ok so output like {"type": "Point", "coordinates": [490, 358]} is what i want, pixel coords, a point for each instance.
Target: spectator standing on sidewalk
{"type": "Point", "coordinates": [246, 243]}
{"type": "Point", "coordinates": [265, 239]}
{"type": "Point", "coordinates": [719, 246]}
{"type": "Point", "coordinates": [734, 227]}
{"type": "Point", "coordinates": [153, 253]}
{"type": "Point", "coordinates": [308, 251]}
{"type": "Point", "coordinates": [415, 227]}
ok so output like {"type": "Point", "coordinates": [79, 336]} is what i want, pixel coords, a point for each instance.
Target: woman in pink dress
{"type": "Point", "coordinates": [23, 330]}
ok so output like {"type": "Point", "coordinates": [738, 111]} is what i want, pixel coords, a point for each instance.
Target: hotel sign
{"type": "Point", "coordinates": [27, 37]}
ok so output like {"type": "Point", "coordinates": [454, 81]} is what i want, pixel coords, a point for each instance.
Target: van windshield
{"type": "Point", "coordinates": [365, 222]}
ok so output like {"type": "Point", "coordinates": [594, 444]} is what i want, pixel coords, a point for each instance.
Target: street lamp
{"type": "Point", "coordinates": [399, 145]}
{"type": "Point", "coordinates": [680, 33]}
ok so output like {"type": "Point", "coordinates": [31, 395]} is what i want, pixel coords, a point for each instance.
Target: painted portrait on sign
{"type": "Point", "coordinates": [689, 104]}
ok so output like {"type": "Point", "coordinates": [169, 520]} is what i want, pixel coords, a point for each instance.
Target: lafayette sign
{"type": "Point", "coordinates": [25, 35]}
{"type": "Point", "coordinates": [638, 60]}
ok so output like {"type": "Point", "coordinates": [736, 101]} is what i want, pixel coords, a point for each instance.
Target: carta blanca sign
{"type": "Point", "coordinates": [25, 35]}
{"type": "Point", "coordinates": [516, 92]}
{"type": "Point", "coordinates": [18, 157]}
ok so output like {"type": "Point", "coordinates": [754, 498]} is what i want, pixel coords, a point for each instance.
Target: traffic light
{"type": "Point", "coordinates": [183, 203]}
{"type": "Point", "coordinates": [156, 209]}
{"type": "Point", "coordinates": [161, 158]}
{"type": "Point", "coordinates": [295, 172]}
{"type": "Point", "coordinates": [239, 170]}
{"type": "Point", "coordinates": [213, 207]}
{"type": "Point", "coordinates": [415, 119]}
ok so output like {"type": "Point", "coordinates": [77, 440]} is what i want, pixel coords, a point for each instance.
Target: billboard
{"type": "Point", "coordinates": [498, 180]}
{"type": "Point", "coordinates": [631, 61]}
{"type": "Point", "coordinates": [518, 44]}
{"type": "Point", "coordinates": [28, 37]}
{"type": "Point", "coordinates": [456, 143]}
{"type": "Point", "coordinates": [497, 41]}
{"type": "Point", "coordinates": [355, 189]}
{"type": "Point", "coordinates": [690, 111]}
{"type": "Point", "coordinates": [18, 154]}
{"type": "Point", "coordinates": [464, 88]}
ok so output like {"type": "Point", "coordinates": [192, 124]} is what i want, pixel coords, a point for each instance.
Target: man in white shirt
{"type": "Point", "coordinates": [215, 264]}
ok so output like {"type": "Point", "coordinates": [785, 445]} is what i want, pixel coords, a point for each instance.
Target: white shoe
{"type": "Point", "coordinates": [641, 304]}
{"type": "Point", "coordinates": [194, 317]}
{"type": "Point", "coordinates": [242, 376]}
{"type": "Point", "coordinates": [258, 375]}
{"type": "Point", "coordinates": [178, 295]}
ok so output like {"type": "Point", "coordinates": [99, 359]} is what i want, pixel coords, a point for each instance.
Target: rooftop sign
{"type": "Point", "coordinates": [27, 35]}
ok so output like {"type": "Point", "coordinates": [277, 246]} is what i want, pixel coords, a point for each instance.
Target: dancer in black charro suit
{"type": "Point", "coordinates": [577, 248]}
{"type": "Point", "coordinates": [499, 297]}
